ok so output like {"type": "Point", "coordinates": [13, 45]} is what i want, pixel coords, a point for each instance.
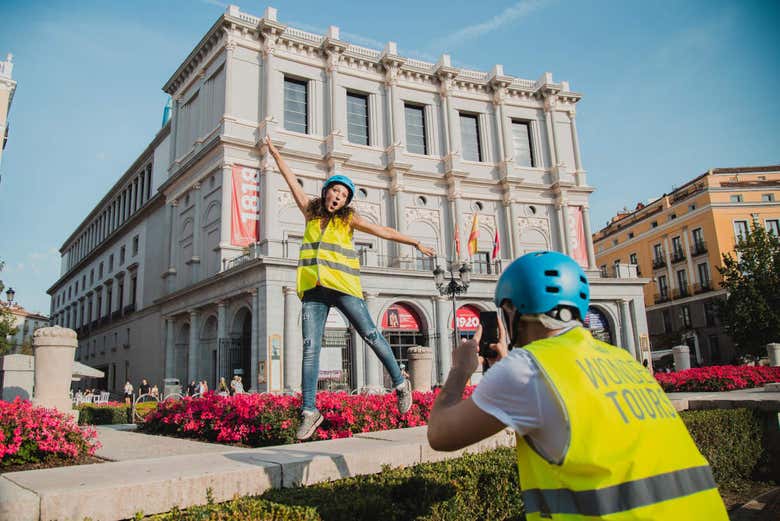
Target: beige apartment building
{"type": "Point", "coordinates": [678, 241]}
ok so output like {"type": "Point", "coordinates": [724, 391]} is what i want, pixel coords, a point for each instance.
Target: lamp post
{"type": "Point", "coordinates": [10, 293]}
{"type": "Point", "coordinates": [453, 287]}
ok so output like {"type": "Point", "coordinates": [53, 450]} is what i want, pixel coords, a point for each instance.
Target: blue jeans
{"type": "Point", "coordinates": [316, 305]}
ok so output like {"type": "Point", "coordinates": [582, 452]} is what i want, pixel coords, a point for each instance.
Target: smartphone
{"type": "Point", "coordinates": [489, 322]}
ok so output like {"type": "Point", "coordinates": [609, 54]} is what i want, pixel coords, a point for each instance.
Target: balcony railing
{"type": "Point", "coordinates": [678, 255]}
{"type": "Point", "coordinates": [129, 309]}
{"type": "Point", "coordinates": [704, 287]}
{"type": "Point", "coordinates": [661, 297]}
{"type": "Point", "coordinates": [659, 262]}
{"type": "Point", "coordinates": [681, 292]}
{"type": "Point", "coordinates": [621, 271]}
{"type": "Point", "coordinates": [699, 248]}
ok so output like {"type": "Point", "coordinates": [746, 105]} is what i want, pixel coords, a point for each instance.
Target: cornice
{"type": "Point", "coordinates": [192, 61]}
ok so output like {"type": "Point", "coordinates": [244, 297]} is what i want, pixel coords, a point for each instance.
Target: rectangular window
{"type": "Point", "coordinates": [481, 262]}
{"type": "Point", "coordinates": [469, 132]}
{"type": "Point", "coordinates": [677, 246]}
{"type": "Point", "coordinates": [686, 316]}
{"type": "Point", "coordinates": [84, 281]}
{"type": "Point", "coordinates": [767, 198]}
{"type": "Point", "coordinates": [698, 236]}
{"type": "Point", "coordinates": [654, 224]}
{"type": "Point", "coordinates": [682, 282]}
{"type": "Point", "coordinates": [740, 230]}
{"type": "Point", "coordinates": [111, 263]}
{"type": "Point", "coordinates": [773, 227]}
{"type": "Point", "coordinates": [423, 262]}
{"type": "Point", "coordinates": [91, 276]}
{"type": "Point", "coordinates": [521, 140]}
{"type": "Point", "coordinates": [658, 252]}
{"type": "Point", "coordinates": [362, 248]}
{"type": "Point", "coordinates": [663, 288]}
{"type": "Point", "coordinates": [100, 271]}
{"type": "Point", "coordinates": [135, 246]}
{"type": "Point", "coordinates": [710, 314]}
{"type": "Point", "coordinates": [714, 346]}
{"type": "Point", "coordinates": [296, 106]}
{"type": "Point", "coordinates": [121, 256]}
{"type": "Point", "coordinates": [632, 259]}
{"type": "Point", "coordinates": [704, 275]}
{"type": "Point", "coordinates": [357, 118]}
{"type": "Point", "coordinates": [416, 142]}
{"type": "Point", "coordinates": [667, 317]}
{"type": "Point", "coordinates": [630, 235]}
{"type": "Point", "coordinates": [736, 198]}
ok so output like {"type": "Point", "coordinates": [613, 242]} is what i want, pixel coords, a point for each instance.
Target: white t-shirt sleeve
{"type": "Point", "coordinates": [509, 392]}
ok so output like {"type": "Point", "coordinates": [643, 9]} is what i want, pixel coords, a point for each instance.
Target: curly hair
{"type": "Point", "coordinates": [316, 210]}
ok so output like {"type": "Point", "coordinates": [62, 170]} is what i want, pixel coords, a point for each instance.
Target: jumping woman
{"type": "Point", "coordinates": [329, 275]}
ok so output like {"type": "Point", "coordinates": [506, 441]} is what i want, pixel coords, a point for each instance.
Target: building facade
{"type": "Point", "coordinates": [25, 323]}
{"type": "Point", "coordinates": [187, 267]}
{"type": "Point", "coordinates": [7, 89]}
{"type": "Point", "coordinates": [678, 240]}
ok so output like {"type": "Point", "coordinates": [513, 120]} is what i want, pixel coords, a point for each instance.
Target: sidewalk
{"type": "Point", "coordinates": [151, 474]}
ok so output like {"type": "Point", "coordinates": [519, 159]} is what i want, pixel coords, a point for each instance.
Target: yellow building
{"type": "Point", "coordinates": [678, 241]}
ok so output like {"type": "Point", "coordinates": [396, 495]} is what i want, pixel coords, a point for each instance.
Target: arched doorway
{"type": "Point", "coordinates": [234, 356]}
{"type": "Point", "coordinates": [468, 320]}
{"type": "Point", "coordinates": [403, 328]}
{"type": "Point", "coordinates": [598, 324]}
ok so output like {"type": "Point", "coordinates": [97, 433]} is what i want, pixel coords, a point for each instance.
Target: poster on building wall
{"type": "Point", "coordinates": [580, 247]}
{"type": "Point", "coordinates": [245, 206]}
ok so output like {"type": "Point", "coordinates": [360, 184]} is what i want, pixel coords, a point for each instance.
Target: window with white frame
{"type": "Point", "coordinates": [521, 140]}
{"type": "Point", "coordinates": [416, 142]}
{"type": "Point", "coordinates": [736, 198]}
{"type": "Point", "coordinates": [296, 105]}
{"type": "Point", "coordinates": [357, 118]}
{"type": "Point", "coordinates": [663, 287]}
{"type": "Point", "coordinates": [740, 230]}
{"type": "Point", "coordinates": [469, 132]}
{"type": "Point", "coordinates": [773, 227]}
{"type": "Point", "coordinates": [767, 198]}
{"type": "Point", "coordinates": [704, 275]}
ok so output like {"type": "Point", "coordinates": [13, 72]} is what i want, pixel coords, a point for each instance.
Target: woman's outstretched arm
{"type": "Point", "coordinates": [301, 199]}
{"type": "Point", "coordinates": [391, 234]}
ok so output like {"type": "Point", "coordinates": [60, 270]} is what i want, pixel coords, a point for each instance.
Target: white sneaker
{"type": "Point", "coordinates": [309, 422]}
{"type": "Point", "coordinates": [404, 392]}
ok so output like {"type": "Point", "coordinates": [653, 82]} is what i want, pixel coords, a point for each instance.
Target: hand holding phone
{"type": "Point", "coordinates": [490, 334]}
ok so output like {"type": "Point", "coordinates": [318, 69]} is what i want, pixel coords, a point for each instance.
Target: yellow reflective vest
{"type": "Point", "coordinates": [329, 259]}
{"type": "Point", "coordinates": [629, 455]}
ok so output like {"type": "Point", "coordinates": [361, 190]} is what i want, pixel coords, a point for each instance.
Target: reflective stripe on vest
{"type": "Point", "coordinates": [617, 498]}
{"type": "Point", "coordinates": [327, 258]}
{"type": "Point", "coordinates": [627, 454]}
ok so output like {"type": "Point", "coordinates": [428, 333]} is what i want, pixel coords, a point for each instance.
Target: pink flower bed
{"type": "Point", "coordinates": [265, 419]}
{"type": "Point", "coordinates": [718, 378]}
{"type": "Point", "coordinates": [34, 434]}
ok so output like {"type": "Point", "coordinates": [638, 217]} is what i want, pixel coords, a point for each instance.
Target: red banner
{"type": "Point", "coordinates": [468, 318]}
{"type": "Point", "coordinates": [580, 250]}
{"type": "Point", "coordinates": [245, 207]}
{"type": "Point", "coordinates": [401, 317]}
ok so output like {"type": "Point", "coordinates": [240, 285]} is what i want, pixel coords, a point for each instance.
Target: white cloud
{"type": "Point", "coordinates": [216, 3]}
{"type": "Point", "coordinates": [510, 14]}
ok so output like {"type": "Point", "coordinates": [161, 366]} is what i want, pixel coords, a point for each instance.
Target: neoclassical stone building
{"type": "Point", "coordinates": [187, 267]}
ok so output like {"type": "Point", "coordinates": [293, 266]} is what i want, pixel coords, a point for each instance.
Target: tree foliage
{"type": "Point", "coordinates": [7, 320]}
{"type": "Point", "coordinates": [751, 312]}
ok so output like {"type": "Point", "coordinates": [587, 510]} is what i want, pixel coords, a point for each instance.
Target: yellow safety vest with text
{"type": "Point", "coordinates": [629, 455]}
{"type": "Point", "coordinates": [329, 259]}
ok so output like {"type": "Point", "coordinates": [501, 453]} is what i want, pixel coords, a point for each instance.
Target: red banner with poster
{"type": "Point", "coordinates": [468, 318]}
{"type": "Point", "coordinates": [580, 250]}
{"type": "Point", "coordinates": [400, 317]}
{"type": "Point", "coordinates": [245, 206]}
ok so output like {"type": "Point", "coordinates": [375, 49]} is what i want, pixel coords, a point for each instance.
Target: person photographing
{"type": "Point", "coordinates": [329, 276]}
{"type": "Point", "coordinates": [597, 438]}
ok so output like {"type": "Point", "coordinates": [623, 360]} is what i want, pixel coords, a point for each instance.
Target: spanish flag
{"type": "Point", "coordinates": [474, 235]}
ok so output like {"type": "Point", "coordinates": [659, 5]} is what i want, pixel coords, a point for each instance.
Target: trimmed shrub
{"type": "Point", "coordinates": [472, 487]}
{"type": "Point", "coordinates": [34, 434]}
{"type": "Point", "coordinates": [730, 439]}
{"type": "Point", "coordinates": [103, 414]}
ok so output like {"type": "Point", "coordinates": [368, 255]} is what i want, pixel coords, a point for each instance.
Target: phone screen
{"type": "Point", "coordinates": [489, 322]}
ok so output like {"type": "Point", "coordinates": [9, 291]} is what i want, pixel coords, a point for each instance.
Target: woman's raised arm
{"type": "Point", "coordinates": [301, 199]}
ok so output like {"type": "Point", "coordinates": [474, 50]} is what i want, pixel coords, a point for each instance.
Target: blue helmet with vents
{"type": "Point", "coordinates": [342, 180]}
{"type": "Point", "coordinates": [543, 281]}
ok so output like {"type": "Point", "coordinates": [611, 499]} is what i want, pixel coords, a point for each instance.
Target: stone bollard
{"type": "Point", "coordinates": [420, 366]}
{"type": "Point", "coordinates": [773, 350]}
{"type": "Point", "coordinates": [54, 348]}
{"type": "Point", "coordinates": [682, 358]}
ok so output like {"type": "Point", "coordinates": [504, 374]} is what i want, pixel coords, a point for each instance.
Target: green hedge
{"type": "Point", "coordinates": [473, 487]}
{"type": "Point", "coordinates": [730, 439]}
{"type": "Point", "coordinates": [91, 414]}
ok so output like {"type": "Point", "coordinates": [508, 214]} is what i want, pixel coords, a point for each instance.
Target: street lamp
{"type": "Point", "coordinates": [10, 295]}
{"type": "Point", "coordinates": [452, 288]}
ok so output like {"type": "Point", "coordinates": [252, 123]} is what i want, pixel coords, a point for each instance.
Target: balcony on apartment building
{"type": "Point", "coordinates": [699, 248]}
{"type": "Point", "coordinates": [662, 297]}
{"type": "Point", "coordinates": [681, 292]}
{"type": "Point", "coordinates": [659, 261]}
{"type": "Point", "coordinates": [678, 255]}
{"type": "Point", "coordinates": [704, 287]}
{"type": "Point", "coordinates": [620, 271]}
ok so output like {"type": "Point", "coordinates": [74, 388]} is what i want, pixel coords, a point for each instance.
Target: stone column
{"type": "Point", "coordinates": [373, 367]}
{"type": "Point", "coordinates": [399, 218]}
{"type": "Point", "coordinates": [773, 352]}
{"type": "Point", "coordinates": [221, 320]}
{"type": "Point", "coordinates": [192, 362]}
{"type": "Point", "coordinates": [230, 48]}
{"type": "Point", "coordinates": [456, 205]}
{"type": "Point", "coordinates": [173, 239]}
{"type": "Point", "coordinates": [682, 357]}
{"type": "Point", "coordinates": [580, 173]}
{"type": "Point", "coordinates": [588, 237]}
{"type": "Point", "coordinates": [54, 348]}
{"type": "Point", "coordinates": [420, 362]}
{"type": "Point", "coordinates": [293, 353]}
{"type": "Point", "coordinates": [174, 130]}
{"type": "Point", "coordinates": [510, 253]}
{"type": "Point", "coordinates": [563, 224]}
{"type": "Point", "coordinates": [628, 328]}
{"type": "Point", "coordinates": [254, 346]}
{"type": "Point", "coordinates": [225, 211]}
{"type": "Point", "coordinates": [549, 115]}
{"type": "Point", "coordinates": [170, 348]}
{"type": "Point", "coordinates": [692, 275]}
{"type": "Point", "coordinates": [669, 273]}
{"type": "Point", "coordinates": [444, 342]}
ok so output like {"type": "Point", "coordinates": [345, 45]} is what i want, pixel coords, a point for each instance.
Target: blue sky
{"type": "Point", "coordinates": [671, 88]}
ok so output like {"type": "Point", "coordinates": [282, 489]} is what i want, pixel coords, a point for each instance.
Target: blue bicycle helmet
{"type": "Point", "coordinates": [342, 180]}
{"type": "Point", "coordinates": [542, 281]}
